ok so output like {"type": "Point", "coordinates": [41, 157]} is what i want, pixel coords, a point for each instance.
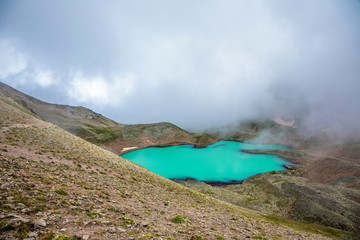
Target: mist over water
{"type": "Point", "coordinates": [196, 64]}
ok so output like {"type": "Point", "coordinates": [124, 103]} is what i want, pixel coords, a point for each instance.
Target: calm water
{"type": "Point", "coordinates": [222, 161]}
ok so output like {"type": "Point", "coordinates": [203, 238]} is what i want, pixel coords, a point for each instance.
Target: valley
{"type": "Point", "coordinates": [62, 178]}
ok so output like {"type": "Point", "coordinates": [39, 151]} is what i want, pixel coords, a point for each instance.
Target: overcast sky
{"type": "Point", "coordinates": [193, 63]}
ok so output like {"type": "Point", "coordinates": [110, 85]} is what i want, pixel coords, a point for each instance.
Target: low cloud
{"type": "Point", "coordinates": [18, 70]}
{"type": "Point", "coordinates": [12, 61]}
{"type": "Point", "coordinates": [44, 78]}
{"type": "Point", "coordinates": [196, 64]}
{"type": "Point", "coordinates": [98, 90]}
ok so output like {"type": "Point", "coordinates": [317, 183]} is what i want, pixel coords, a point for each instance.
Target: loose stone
{"type": "Point", "coordinates": [121, 229]}
{"type": "Point", "coordinates": [144, 224]}
{"type": "Point", "coordinates": [40, 223]}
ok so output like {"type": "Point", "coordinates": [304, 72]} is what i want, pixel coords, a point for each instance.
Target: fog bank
{"type": "Point", "coordinates": [196, 64]}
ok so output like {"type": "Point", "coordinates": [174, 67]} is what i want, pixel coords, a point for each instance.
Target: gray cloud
{"type": "Point", "coordinates": [194, 63]}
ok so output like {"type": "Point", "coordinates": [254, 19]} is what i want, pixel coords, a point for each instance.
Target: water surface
{"type": "Point", "coordinates": [222, 161]}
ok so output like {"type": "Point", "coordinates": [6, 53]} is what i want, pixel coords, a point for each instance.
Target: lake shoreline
{"type": "Point", "coordinates": [134, 148]}
{"type": "Point", "coordinates": [212, 183]}
{"type": "Point", "coordinates": [271, 152]}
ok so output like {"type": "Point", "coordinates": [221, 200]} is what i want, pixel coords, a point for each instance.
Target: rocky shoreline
{"type": "Point", "coordinates": [212, 183]}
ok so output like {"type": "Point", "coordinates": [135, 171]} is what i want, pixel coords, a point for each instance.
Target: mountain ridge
{"type": "Point", "coordinates": [102, 131]}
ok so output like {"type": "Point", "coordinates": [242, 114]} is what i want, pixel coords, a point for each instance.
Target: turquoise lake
{"type": "Point", "coordinates": [222, 161]}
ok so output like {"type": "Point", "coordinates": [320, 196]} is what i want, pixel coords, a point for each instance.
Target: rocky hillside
{"type": "Point", "coordinates": [292, 197]}
{"type": "Point", "coordinates": [323, 188]}
{"type": "Point", "coordinates": [55, 185]}
{"type": "Point", "coordinates": [100, 130]}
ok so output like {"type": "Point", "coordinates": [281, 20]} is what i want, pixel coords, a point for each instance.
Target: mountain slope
{"type": "Point", "coordinates": [100, 130]}
{"type": "Point", "coordinates": [286, 194]}
{"type": "Point", "coordinates": [56, 184]}
{"type": "Point", "coordinates": [323, 188]}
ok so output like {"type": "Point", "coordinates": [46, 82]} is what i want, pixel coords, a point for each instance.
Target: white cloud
{"type": "Point", "coordinates": [215, 65]}
{"type": "Point", "coordinates": [99, 90]}
{"type": "Point", "coordinates": [44, 78]}
{"type": "Point", "coordinates": [17, 69]}
{"type": "Point", "coordinates": [12, 61]}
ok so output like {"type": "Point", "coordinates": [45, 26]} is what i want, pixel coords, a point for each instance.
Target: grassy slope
{"type": "Point", "coordinates": [102, 131]}
{"type": "Point", "coordinates": [79, 189]}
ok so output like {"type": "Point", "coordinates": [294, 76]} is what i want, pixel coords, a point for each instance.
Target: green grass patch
{"type": "Point", "coordinates": [102, 134]}
{"type": "Point", "coordinates": [196, 237]}
{"type": "Point", "coordinates": [312, 228]}
{"type": "Point", "coordinates": [180, 219]}
{"type": "Point", "coordinates": [93, 215]}
{"type": "Point", "coordinates": [60, 192]}
{"type": "Point", "coordinates": [4, 226]}
{"type": "Point", "coordinates": [128, 221]}
{"type": "Point", "coordinates": [41, 198]}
